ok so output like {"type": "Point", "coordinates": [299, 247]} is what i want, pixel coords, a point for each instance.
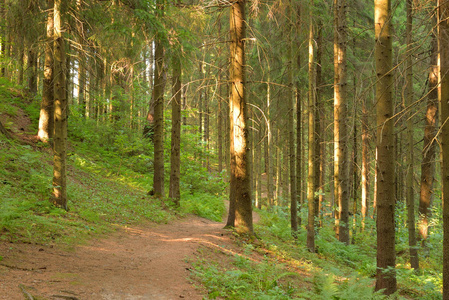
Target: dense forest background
{"type": "Point", "coordinates": [323, 116]}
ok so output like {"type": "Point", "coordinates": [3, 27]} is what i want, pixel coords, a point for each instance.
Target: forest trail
{"type": "Point", "coordinates": [145, 262]}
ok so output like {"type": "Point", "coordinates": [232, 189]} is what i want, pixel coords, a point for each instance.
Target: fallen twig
{"type": "Point", "coordinates": [25, 292]}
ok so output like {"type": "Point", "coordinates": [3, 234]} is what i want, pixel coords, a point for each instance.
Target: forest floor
{"type": "Point", "coordinates": [142, 262]}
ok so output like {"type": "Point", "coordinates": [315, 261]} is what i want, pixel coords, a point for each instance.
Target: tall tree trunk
{"type": "Point", "coordinates": [240, 184]}
{"type": "Point", "coordinates": [311, 170]}
{"type": "Point", "coordinates": [46, 127]}
{"type": "Point", "coordinates": [291, 130]}
{"type": "Point", "coordinates": [175, 157]}
{"type": "Point", "coordinates": [299, 131]}
{"type": "Point", "coordinates": [414, 260]}
{"type": "Point", "coordinates": [3, 34]}
{"type": "Point", "coordinates": [340, 132]}
{"type": "Point", "coordinates": [257, 168]}
{"type": "Point", "coordinates": [443, 40]}
{"type": "Point", "coordinates": [386, 255]}
{"type": "Point", "coordinates": [81, 60]}
{"type": "Point", "coordinates": [268, 147]}
{"type": "Point", "coordinates": [319, 131]}
{"type": "Point", "coordinates": [220, 125]}
{"type": "Point", "coordinates": [299, 157]}
{"type": "Point", "coordinates": [60, 113]}
{"type": "Point", "coordinates": [365, 163]}
{"type": "Point", "coordinates": [428, 153]}
{"type": "Point", "coordinates": [158, 96]}
{"type": "Point", "coordinates": [200, 104]}
{"type": "Point", "coordinates": [206, 126]}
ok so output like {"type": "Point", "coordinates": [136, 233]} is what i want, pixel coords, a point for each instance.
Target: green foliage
{"type": "Point", "coordinates": [204, 205]}
{"type": "Point", "coordinates": [328, 286]}
{"type": "Point", "coordinates": [246, 280]}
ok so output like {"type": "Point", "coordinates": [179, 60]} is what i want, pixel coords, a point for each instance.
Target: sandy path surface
{"type": "Point", "coordinates": [133, 263]}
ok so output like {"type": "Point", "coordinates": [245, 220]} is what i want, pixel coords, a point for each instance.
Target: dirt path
{"type": "Point", "coordinates": [133, 263]}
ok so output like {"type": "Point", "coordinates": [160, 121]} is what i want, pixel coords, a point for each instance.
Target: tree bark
{"type": "Point", "coordinates": [386, 255]}
{"type": "Point", "coordinates": [240, 184]}
{"type": "Point", "coordinates": [60, 113]}
{"type": "Point", "coordinates": [3, 35]}
{"type": "Point", "coordinates": [268, 147]}
{"type": "Point", "coordinates": [365, 163]}
{"type": "Point", "coordinates": [428, 153]}
{"type": "Point", "coordinates": [414, 260]}
{"type": "Point", "coordinates": [175, 157]}
{"type": "Point", "coordinates": [291, 130]}
{"type": "Point", "coordinates": [443, 40]}
{"type": "Point", "coordinates": [158, 96]}
{"type": "Point", "coordinates": [319, 130]}
{"type": "Point", "coordinates": [341, 174]}
{"type": "Point", "coordinates": [311, 153]}
{"type": "Point", "coordinates": [46, 126]}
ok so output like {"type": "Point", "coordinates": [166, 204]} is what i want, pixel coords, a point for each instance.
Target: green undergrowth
{"type": "Point", "coordinates": [336, 271]}
{"type": "Point", "coordinates": [109, 169]}
{"type": "Point", "coordinates": [97, 203]}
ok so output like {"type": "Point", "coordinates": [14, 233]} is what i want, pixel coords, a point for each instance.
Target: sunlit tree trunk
{"type": "Point", "coordinates": [158, 96]}
{"type": "Point", "coordinates": [311, 122]}
{"type": "Point", "coordinates": [429, 145]}
{"type": "Point", "coordinates": [175, 157]}
{"type": "Point", "coordinates": [386, 255]}
{"type": "Point", "coordinates": [365, 163]}
{"type": "Point", "coordinates": [46, 111]}
{"type": "Point", "coordinates": [240, 181]}
{"type": "Point", "coordinates": [268, 147]}
{"type": "Point", "coordinates": [340, 132]}
{"type": "Point", "coordinates": [200, 104]}
{"type": "Point", "coordinates": [60, 113]}
{"type": "Point", "coordinates": [443, 41]}
{"type": "Point", "coordinates": [414, 261]}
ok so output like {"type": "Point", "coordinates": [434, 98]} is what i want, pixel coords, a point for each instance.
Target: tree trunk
{"type": "Point", "coordinates": [46, 127]}
{"type": "Point", "coordinates": [158, 96]}
{"type": "Point", "coordinates": [32, 70]}
{"type": "Point", "coordinates": [299, 131]}
{"type": "Point", "coordinates": [60, 113]}
{"type": "Point", "coordinates": [200, 104]}
{"type": "Point", "coordinates": [268, 147]}
{"type": "Point", "coordinates": [291, 130]}
{"type": "Point", "coordinates": [206, 126]}
{"type": "Point", "coordinates": [220, 126]}
{"type": "Point", "coordinates": [240, 184]}
{"type": "Point", "coordinates": [386, 255]}
{"type": "Point", "coordinates": [3, 35]}
{"type": "Point", "coordinates": [428, 153]}
{"type": "Point", "coordinates": [414, 260]}
{"type": "Point", "coordinates": [175, 157]}
{"type": "Point", "coordinates": [443, 40]}
{"type": "Point", "coordinates": [311, 170]}
{"type": "Point", "coordinates": [365, 163]}
{"type": "Point", "coordinates": [319, 131]}
{"type": "Point", "coordinates": [340, 132]}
